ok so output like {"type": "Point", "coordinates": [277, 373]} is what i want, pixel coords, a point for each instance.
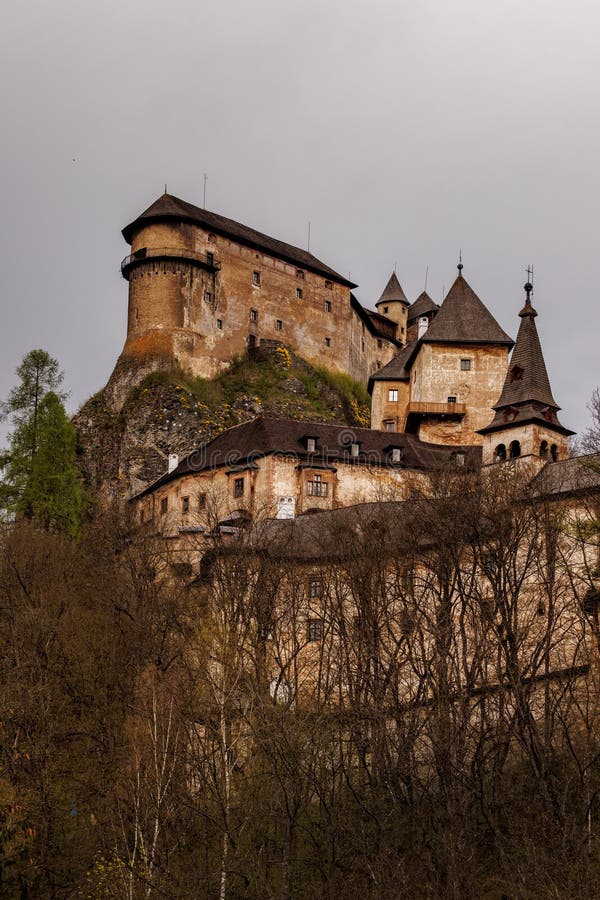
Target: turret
{"type": "Point", "coordinates": [393, 305]}
{"type": "Point", "coordinates": [526, 423]}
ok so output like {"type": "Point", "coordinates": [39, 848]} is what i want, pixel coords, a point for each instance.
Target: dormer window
{"type": "Point", "coordinates": [516, 373]}
{"type": "Point", "coordinates": [311, 444]}
{"type": "Point", "coordinates": [397, 454]}
{"type": "Point", "coordinates": [354, 449]}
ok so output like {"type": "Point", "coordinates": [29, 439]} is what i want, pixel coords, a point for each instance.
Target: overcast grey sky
{"type": "Point", "coordinates": [403, 131]}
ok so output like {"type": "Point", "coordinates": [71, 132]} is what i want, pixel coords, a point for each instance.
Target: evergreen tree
{"type": "Point", "coordinates": [52, 493]}
{"type": "Point", "coordinates": [38, 373]}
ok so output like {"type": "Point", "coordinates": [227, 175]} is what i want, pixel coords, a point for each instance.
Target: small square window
{"type": "Point", "coordinates": [212, 239]}
{"type": "Point", "coordinates": [185, 505]}
{"type": "Point", "coordinates": [328, 342]}
{"type": "Point", "coordinates": [238, 487]}
{"type": "Point", "coordinates": [208, 296]}
{"type": "Point", "coordinates": [315, 629]}
{"type": "Point", "coordinates": [300, 274]}
{"type": "Point", "coordinates": [385, 309]}
{"type": "Point", "coordinates": [164, 505]}
{"type": "Point", "coordinates": [220, 324]}
{"type": "Point", "coordinates": [201, 501]}
{"type": "Point", "coordinates": [299, 293]}
{"type": "Point", "coordinates": [328, 306]}
{"type": "Point", "coordinates": [465, 365]}
{"type": "Point", "coordinates": [254, 315]}
{"type": "Point", "coordinates": [393, 395]}
{"type": "Point", "coordinates": [256, 278]}
{"type": "Point", "coordinates": [278, 325]}
{"type": "Point", "coordinates": [328, 285]}
{"type": "Point", "coordinates": [389, 425]}
{"type": "Point", "coordinates": [451, 400]}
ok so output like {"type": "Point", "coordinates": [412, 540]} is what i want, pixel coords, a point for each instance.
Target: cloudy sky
{"type": "Point", "coordinates": [403, 131]}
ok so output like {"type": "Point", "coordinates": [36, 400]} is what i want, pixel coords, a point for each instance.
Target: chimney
{"type": "Point", "coordinates": [422, 326]}
{"type": "Point", "coordinates": [173, 461]}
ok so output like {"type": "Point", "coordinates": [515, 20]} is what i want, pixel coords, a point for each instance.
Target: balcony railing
{"type": "Point", "coordinates": [168, 254]}
{"type": "Point", "coordinates": [437, 409]}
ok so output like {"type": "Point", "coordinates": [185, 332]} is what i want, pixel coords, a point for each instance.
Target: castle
{"type": "Point", "coordinates": [203, 289]}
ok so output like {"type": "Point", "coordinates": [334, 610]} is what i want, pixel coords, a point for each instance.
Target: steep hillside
{"type": "Point", "coordinates": [123, 451]}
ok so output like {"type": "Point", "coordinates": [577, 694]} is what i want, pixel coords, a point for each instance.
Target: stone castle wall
{"type": "Point", "coordinates": [200, 316]}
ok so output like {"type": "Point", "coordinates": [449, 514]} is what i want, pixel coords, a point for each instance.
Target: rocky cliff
{"type": "Point", "coordinates": [125, 441]}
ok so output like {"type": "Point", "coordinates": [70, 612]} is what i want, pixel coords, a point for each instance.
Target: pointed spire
{"type": "Point", "coordinates": [526, 395]}
{"type": "Point", "coordinates": [527, 379]}
{"type": "Point", "coordinates": [464, 319]}
{"type": "Point", "coordinates": [393, 291]}
{"type": "Point", "coordinates": [460, 266]}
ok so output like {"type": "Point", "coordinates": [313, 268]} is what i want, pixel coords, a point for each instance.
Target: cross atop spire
{"type": "Point", "coordinates": [528, 309]}
{"type": "Point", "coordinates": [460, 262]}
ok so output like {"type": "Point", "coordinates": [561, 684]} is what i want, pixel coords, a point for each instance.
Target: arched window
{"type": "Point", "coordinates": [500, 453]}
{"type": "Point", "coordinates": [515, 450]}
{"type": "Point", "coordinates": [544, 450]}
{"type": "Point", "coordinates": [554, 452]}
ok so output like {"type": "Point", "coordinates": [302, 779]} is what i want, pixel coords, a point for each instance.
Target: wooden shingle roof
{"type": "Point", "coordinates": [267, 435]}
{"type": "Point", "coordinates": [422, 306]}
{"type": "Point", "coordinates": [168, 207]}
{"type": "Point", "coordinates": [393, 292]}
{"type": "Point", "coordinates": [463, 319]}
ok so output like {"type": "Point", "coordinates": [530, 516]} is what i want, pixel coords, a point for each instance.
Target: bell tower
{"type": "Point", "coordinates": [526, 423]}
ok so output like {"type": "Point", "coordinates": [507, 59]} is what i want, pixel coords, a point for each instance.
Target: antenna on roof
{"type": "Point", "coordinates": [308, 243]}
{"type": "Point", "coordinates": [426, 274]}
{"type": "Point", "coordinates": [460, 262]}
{"type": "Point", "coordinates": [204, 191]}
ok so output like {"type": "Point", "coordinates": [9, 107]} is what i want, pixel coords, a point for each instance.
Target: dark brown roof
{"type": "Point", "coordinates": [527, 361]}
{"type": "Point", "coordinates": [169, 207]}
{"type": "Point", "coordinates": [463, 319]}
{"type": "Point", "coordinates": [526, 395]}
{"type": "Point", "coordinates": [396, 368]}
{"type": "Point", "coordinates": [393, 292]}
{"type": "Point", "coordinates": [422, 306]}
{"type": "Point", "coordinates": [267, 435]}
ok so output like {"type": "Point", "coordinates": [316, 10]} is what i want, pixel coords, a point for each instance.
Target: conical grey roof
{"type": "Point", "coordinates": [463, 319]}
{"type": "Point", "coordinates": [422, 306]}
{"type": "Point", "coordinates": [393, 292]}
{"type": "Point", "coordinates": [527, 378]}
{"type": "Point", "coordinates": [526, 395]}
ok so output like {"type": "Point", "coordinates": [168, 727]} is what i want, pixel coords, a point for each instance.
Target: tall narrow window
{"type": "Point", "coordinates": [299, 293]}
{"type": "Point", "coordinates": [238, 487]}
{"type": "Point", "coordinates": [328, 342]}
{"type": "Point", "coordinates": [328, 306]}
{"type": "Point", "coordinates": [278, 325]}
{"type": "Point", "coordinates": [185, 505]}
{"type": "Point", "coordinates": [315, 630]}
{"type": "Point", "coordinates": [254, 315]}
{"type": "Point", "coordinates": [256, 278]}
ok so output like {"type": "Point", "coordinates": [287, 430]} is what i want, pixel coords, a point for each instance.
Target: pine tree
{"type": "Point", "coordinates": [38, 373]}
{"type": "Point", "coordinates": [52, 494]}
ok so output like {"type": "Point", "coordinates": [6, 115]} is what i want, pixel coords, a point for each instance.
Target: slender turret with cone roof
{"type": "Point", "coordinates": [526, 421]}
{"type": "Point", "coordinates": [394, 305]}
